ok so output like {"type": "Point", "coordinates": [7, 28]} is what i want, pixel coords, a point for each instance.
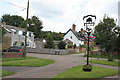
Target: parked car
{"type": "Point", "coordinates": [15, 49]}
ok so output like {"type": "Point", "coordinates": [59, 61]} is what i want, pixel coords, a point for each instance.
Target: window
{"type": "Point", "coordinates": [30, 34]}
{"type": "Point", "coordinates": [22, 43]}
{"type": "Point", "coordinates": [16, 32]}
{"type": "Point", "coordinates": [15, 43]}
{"type": "Point", "coordinates": [27, 43]}
{"type": "Point", "coordinates": [71, 37]}
{"type": "Point", "coordinates": [23, 33]}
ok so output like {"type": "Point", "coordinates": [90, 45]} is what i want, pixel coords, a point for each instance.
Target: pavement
{"type": "Point", "coordinates": [63, 62]}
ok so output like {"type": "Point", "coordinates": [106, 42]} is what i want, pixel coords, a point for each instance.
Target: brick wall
{"type": "Point", "coordinates": [82, 49]}
{"type": "Point", "coordinates": [12, 55]}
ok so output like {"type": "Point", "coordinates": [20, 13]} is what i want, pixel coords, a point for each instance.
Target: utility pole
{"type": "Point", "coordinates": [25, 51]}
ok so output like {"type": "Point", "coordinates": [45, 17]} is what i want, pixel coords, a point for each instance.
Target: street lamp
{"type": "Point", "coordinates": [89, 22]}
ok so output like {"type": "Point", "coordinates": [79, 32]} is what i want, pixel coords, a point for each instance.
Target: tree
{"type": "Point", "coordinates": [61, 45]}
{"type": "Point", "coordinates": [13, 20]}
{"type": "Point", "coordinates": [49, 42]}
{"type": "Point", "coordinates": [105, 36]}
{"type": "Point", "coordinates": [35, 25]}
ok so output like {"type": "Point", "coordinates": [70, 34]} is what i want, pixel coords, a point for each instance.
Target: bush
{"type": "Point", "coordinates": [61, 45]}
{"type": "Point", "coordinates": [70, 46]}
{"type": "Point", "coordinates": [3, 53]}
{"type": "Point", "coordinates": [110, 58]}
{"type": "Point", "coordinates": [49, 43]}
{"type": "Point", "coordinates": [83, 46]}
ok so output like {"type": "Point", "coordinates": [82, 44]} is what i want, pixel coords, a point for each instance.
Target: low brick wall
{"type": "Point", "coordinates": [82, 49]}
{"type": "Point", "coordinates": [12, 55]}
{"type": "Point", "coordinates": [95, 52]}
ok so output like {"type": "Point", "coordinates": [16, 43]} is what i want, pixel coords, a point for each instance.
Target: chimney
{"type": "Point", "coordinates": [82, 30]}
{"type": "Point", "coordinates": [73, 26]}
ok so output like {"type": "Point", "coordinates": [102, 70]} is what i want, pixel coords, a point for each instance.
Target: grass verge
{"type": "Point", "coordinates": [105, 62]}
{"type": "Point", "coordinates": [6, 73]}
{"type": "Point", "coordinates": [14, 59]}
{"type": "Point", "coordinates": [77, 72]}
{"type": "Point", "coordinates": [35, 62]}
{"type": "Point", "coordinates": [103, 56]}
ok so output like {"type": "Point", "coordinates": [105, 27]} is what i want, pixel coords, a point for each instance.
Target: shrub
{"type": "Point", "coordinates": [61, 45]}
{"type": "Point", "coordinates": [70, 46]}
{"type": "Point", "coordinates": [49, 43]}
{"type": "Point", "coordinates": [83, 46]}
{"type": "Point", "coordinates": [110, 58]}
{"type": "Point", "coordinates": [3, 53]}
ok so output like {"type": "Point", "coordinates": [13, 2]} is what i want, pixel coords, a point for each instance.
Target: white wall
{"type": "Point", "coordinates": [74, 39]}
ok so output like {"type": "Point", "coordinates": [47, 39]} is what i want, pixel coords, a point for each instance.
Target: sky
{"type": "Point", "coordinates": [59, 15]}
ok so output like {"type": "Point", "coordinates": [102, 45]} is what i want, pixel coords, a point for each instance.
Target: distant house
{"type": "Point", "coordinates": [74, 37]}
{"type": "Point", "coordinates": [17, 36]}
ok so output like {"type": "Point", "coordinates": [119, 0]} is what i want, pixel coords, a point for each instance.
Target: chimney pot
{"type": "Point", "coordinates": [73, 27]}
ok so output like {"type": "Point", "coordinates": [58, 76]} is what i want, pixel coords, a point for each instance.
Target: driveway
{"type": "Point", "coordinates": [63, 62]}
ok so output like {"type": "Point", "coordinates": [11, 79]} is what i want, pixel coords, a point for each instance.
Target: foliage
{"type": "Point", "coordinates": [35, 62]}
{"type": "Point", "coordinates": [70, 46]}
{"type": "Point", "coordinates": [35, 25]}
{"type": "Point", "coordinates": [110, 58]}
{"type": "Point", "coordinates": [61, 45]}
{"type": "Point", "coordinates": [13, 20]}
{"type": "Point", "coordinates": [89, 66]}
{"type": "Point", "coordinates": [77, 73]}
{"type": "Point", "coordinates": [55, 35]}
{"type": "Point", "coordinates": [49, 43]}
{"type": "Point", "coordinates": [3, 31]}
{"type": "Point", "coordinates": [105, 35]}
{"type": "Point", "coordinates": [83, 46]}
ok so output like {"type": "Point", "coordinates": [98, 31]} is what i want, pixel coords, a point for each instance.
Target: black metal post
{"type": "Point", "coordinates": [88, 49]}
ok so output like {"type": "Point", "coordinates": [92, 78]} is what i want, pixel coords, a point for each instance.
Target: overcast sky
{"type": "Point", "coordinates": [59, 15]}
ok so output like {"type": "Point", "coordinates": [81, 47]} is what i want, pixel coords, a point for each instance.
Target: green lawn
{"type": "Point", "coordinates": [33, 62]}
{"type": "Point", "coordinates": [104, 62]}
{"type": "Point", "coordinates": [6, 73]}
{"type": "Point", "coordinates": [77, 72]}
{"type": "Point", "coordinates": [102, 56]}
{"type": "Point", "coordinates": [14, 59]}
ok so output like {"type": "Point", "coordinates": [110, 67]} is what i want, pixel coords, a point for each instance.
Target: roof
{"type": "Point", "coordinates": [13, 27]}
{"type": "Point", "coordinates": [77, 34]}
{"type": "Point", "coordinates": [9, 28]}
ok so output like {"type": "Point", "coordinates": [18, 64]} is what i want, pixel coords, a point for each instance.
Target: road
{"type": "Point", "coordinates": [63, 62]}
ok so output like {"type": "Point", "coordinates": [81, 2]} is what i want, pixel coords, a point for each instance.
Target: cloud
{"type": "Point", "coordinates": [59, 15]}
